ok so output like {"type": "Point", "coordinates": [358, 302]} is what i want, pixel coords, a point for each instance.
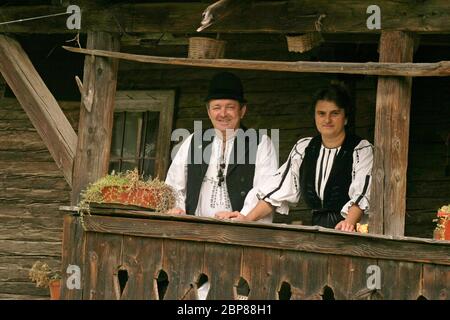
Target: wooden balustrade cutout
{"type": "Point", "coordinates": [241, 290]}
{"type": "Point", "coordinates": [328, 293]}
{"type": "Point", "coordinates": [285, 291]}
{"type": "Point", "coordinates": [122, 277]}
{"type": "Point", "coordinates": [161, 284]}
{"type": "Point", "coordinates": [203, 286]}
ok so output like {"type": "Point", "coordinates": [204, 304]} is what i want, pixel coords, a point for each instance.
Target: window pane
{"type": "Point", "coordinates": [117, 134]}
{"type": "Point", "coordinates": [114, 166]}
{"type": "Point", "coordinates": [129, 165]}
{"type": "Point", "coordinates": [151, 134]}
{"type": "Point", "coordinates": [149, 169]}
{"type": "Point", "coordinates": [132, 125]}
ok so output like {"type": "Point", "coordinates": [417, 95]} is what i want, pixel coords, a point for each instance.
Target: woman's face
{"type": "Point", "coordinates": [330, 119]}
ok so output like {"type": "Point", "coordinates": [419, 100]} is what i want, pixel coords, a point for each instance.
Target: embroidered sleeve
{"type": "Point", "coordinates": [266, 165]}
{"type": "Point", "coordinates": [283, 188]}
{"type": "Point", "coordinates": [359, 191]}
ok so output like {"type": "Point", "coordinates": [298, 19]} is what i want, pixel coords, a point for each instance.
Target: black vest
{"type": "Point", "coordinates": [239, 177]}
{"type": "Point", "coordinates": [338, 184]}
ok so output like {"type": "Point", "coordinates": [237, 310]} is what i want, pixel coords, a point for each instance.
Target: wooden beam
{"type": "Point", "coordinates": [95, 126]}
{"type": "Point", "coordinates": [39, 104]}
{"type": "Point", "coordinates": [369, 68]}
{"type": "Point", "coordinates": [431, 16]}
{"type": "Point", "coordinates": [388, 204]}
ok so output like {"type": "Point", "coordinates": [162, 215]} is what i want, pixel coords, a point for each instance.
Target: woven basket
{"type": "Point", "coordinates": [206, 48]}
{"type": "Point", "coordinates": [304, 42]}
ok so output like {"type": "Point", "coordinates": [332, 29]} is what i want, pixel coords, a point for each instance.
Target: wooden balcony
{"type": "Point", "coordinates": [122, 257]}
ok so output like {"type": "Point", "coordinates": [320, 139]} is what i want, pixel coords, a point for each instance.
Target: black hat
{"type": "Point", "coordinates": [225, 85]}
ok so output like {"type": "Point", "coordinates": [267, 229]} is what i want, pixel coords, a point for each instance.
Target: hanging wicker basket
{"type": "Point", "coordinates": [206, 48]}
{"type": "Point", "coordinates": [304, 42]}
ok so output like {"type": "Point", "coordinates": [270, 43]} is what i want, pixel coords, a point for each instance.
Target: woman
{"type": "Point", "coordinates": [331, 171]}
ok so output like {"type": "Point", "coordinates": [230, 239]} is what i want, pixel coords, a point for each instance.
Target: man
{"type": "Point", "coordinates": [221, 175]}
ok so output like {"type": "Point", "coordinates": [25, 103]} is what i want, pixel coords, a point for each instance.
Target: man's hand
{"type": "Point", "coordinates": [176, 211]}
{"type": "Point", "coordinates": [235, 215]}
{"type": "Point", "coordinates": [353, 216]}
{"type": "Point", "coordinates": [345, 225]}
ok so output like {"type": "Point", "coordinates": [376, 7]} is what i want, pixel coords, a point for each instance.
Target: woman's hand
{"type": "Point", "coordinates": [345, 225]}
{"type": "Point", "coordinates": [176, 211]}
{"type": "Point", "coordinates": [234, 215]}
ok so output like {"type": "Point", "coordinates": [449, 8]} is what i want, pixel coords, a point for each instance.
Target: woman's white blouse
{"type": "Point", "coordinates": [286, 179]}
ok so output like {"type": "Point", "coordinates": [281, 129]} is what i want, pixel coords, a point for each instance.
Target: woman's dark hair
{"type": "Point", "coordinates": [338, 94]}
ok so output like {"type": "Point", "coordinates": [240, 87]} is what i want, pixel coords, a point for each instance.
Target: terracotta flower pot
{"type": "Point", "coordinates": [443, 233]}
{"type": "Point", "coordinates": [143, 197]}
{"type": "Point", "coordinates": [55, 287]}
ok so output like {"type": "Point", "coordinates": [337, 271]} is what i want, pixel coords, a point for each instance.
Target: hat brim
{"type": "Point", "coordinates": [225, 96]}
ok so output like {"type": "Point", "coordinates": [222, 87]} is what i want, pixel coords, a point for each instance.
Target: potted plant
{"type": "Point", "coordinates": [45, 277]}
{"type": "Point", "coordinates": [128, 188]}
{"type": "Point", "coordinates": [442, 231]}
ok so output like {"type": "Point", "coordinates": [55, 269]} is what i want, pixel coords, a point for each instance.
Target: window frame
{"type": "Point", "coordinates": [162, 101]}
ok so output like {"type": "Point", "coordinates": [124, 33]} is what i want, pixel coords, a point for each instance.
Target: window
{"type": "Point", "coordinates": [141, 132]}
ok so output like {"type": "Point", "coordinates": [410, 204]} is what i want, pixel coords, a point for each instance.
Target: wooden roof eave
{"type": "Point", "coordinates": [280, 17]}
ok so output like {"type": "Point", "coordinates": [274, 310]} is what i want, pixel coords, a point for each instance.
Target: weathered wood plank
{"type": "Point", "coordinates": [306, 273]}
{"type": "Point", "coordinates": [16, 268]}
{"type": "Point", "coordinates": [31, 229]}
{"type": "Point", "coordinates": [40, 105]}
{"type": "Point", "coordinates": [30, 210]}
{"type": "Point", "coordinates": [436, 282]}
{"type": "Point", "coordinates": [103, 258]}
{"type": "Point", "coordinates": [400, 280]}
{"type": "Point", "coordinates": [73, 253]}
{"type": "Point", "coordinates": [261, 269]}
{"type": "Point", "coordinates": [297, 238]}
{"type": "Point", "coordinates": [182, 280]}
{"type": "Point", "coordinates": [388, 192]}
{"type": "Point", "coordinates": [164, 134]}
{"type": "Point", "coordinates": [264, 17]}
{"type": "Point", "coordinates": [368, 68]}
{"type": "Point", "coordinates": [23, 288]}
{"type": "Point", "coordinates": [142, 258]}
{"type": "Point", "coordinates": [30, 248]}
{"type": "Point", "coordinates": [38, 155]}
{"type": "Point", "coordinates": [13, 181]}
{"type": "Point", "coordinates": [33, 195]}
{"type": "Point", "coordinates": [222, 266]}
{"type": "Point", "coordinates": [25, 168]}
{"type": "Point", "coordinates": [21, 141]}
{"type": "Point", "coordinates": [347, 277]}
{"type": "Point", "coordinates": [22, 297]}
{"type": "Point", "coordinates": [95, 126]}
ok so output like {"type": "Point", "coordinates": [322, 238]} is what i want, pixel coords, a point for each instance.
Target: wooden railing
{"type": "Point", "coordinates": [167, 257]}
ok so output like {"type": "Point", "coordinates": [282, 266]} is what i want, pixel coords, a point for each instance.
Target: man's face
{"type": "Point", "coordinates": [225, 114]}
{"type": "Point", "coordinates": [330, 119]}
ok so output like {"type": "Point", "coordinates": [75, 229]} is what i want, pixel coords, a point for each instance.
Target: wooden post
{"type": "Point", "coordinates": [388, 196]}
{"type": "Point", "coordinates": [95, 127]}
{"type": "Point", "coordinates": [39, 104]}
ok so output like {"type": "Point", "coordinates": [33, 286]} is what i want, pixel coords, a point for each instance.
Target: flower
{"type": "Point", "coordinates": [42, 274]}
{"type": "Point", "coordinates": [445, 209]}
{"type": "Point", "coordinates": [130, 184]}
